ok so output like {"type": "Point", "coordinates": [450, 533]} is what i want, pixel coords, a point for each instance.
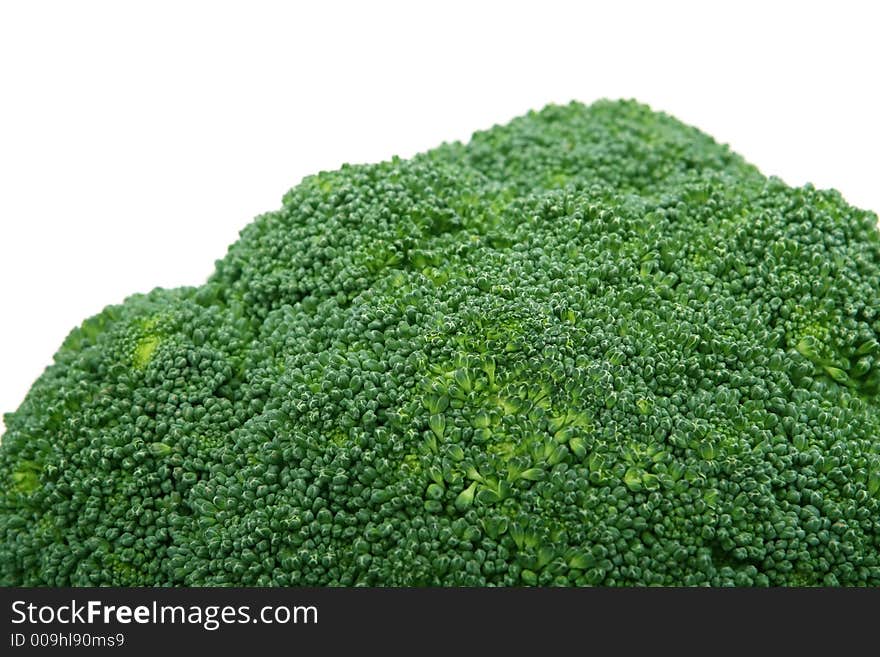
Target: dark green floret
{"type": "Point", "coordinates": [590, 347]}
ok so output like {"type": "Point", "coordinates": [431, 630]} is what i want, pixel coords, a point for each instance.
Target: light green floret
{"type": "Point", "coordinates": [589, 347]}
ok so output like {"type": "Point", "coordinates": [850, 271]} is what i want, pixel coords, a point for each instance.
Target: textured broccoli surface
{"type": "Point", "coordinates": [590, 347]}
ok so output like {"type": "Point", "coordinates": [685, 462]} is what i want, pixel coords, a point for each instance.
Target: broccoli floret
{"type": "Point", "coordinates": [589, 347]}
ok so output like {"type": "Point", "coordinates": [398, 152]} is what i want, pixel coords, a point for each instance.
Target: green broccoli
{"type": "Point", "coordinates": [589, 347]}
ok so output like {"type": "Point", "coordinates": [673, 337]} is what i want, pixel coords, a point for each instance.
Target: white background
{"type": "Point", "coordinates": [137, 139]}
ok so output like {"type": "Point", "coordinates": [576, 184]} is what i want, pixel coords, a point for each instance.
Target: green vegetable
{"type": "Point", "coordinates": [590, 347]}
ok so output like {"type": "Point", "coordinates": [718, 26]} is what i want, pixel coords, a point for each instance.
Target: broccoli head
{"type": "Point", "coordinates": [589, 347]}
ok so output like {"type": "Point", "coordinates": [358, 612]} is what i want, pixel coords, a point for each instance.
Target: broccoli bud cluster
{"type": "Point", "coordinates": [589, 347]}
